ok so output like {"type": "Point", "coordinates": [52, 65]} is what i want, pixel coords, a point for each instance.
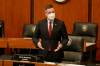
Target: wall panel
{"type": "Point", "coordinates": [15, 14]}
{"type": "Point", "coordinates": [96, 19]}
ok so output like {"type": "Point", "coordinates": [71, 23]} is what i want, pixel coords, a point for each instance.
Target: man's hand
{"type": "Point", "coordinates": [69, 42]}
{"type": "Point", "coordinates": [58, 47]}
{"type": "Point", "coordinates": [40, 45]}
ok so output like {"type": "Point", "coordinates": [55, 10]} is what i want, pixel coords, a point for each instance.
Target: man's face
{"type": "Point", "coordinates": [50, 13]}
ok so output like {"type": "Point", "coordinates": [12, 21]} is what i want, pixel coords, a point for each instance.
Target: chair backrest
{"type": "Point", "coordinates": [1, 28]}
{"type": "Point", "coordinates": [86, 30]}
{"type": "Point", "coordinates": [73, 53]}
{"type": "Point", "coordinates": [29, 30]}
{"type": "Point", "coordinates": [77, 44]}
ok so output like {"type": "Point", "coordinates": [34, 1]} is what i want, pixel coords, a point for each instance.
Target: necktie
{"type": "Point", "coordinates": [49, 29]}
{"type": "Point", "coordinates": [49, 34]}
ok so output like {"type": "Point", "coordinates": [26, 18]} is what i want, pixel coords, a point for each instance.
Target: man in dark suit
{"type": "Point", "coordinates": [50, 35]}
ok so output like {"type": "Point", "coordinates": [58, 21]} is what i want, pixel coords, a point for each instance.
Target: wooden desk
{"type": "Point", "coordinates": [1, 63]}
{"type": "Point", "coordinates": [11, 62]}
{"type": "Point", "coordinates": [3, 43]}
{"type": "Point", "coordinates": [9, 44]}
{"type": "Point", "coordinates": [21, 43]}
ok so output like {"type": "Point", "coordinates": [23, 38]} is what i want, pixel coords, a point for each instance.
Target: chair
{"type": "Point", "coordinates": [73, 53]}
{"type": "Point", "coordinates": [29, 30]}
{"type": "Point", "coordinates": [88, 31]}
{"type": "Point", "coordinates": [1, 28]}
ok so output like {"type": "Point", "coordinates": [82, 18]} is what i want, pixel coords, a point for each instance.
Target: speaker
{"type": "Point", "coordinates": [1, 28]}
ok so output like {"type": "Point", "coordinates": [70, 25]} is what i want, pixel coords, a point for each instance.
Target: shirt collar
{"type": "Point", "coordinates": [50, 21]}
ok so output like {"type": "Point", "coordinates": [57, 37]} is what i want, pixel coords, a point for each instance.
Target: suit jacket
{"type": "Point", "coordinates": [59, 33]}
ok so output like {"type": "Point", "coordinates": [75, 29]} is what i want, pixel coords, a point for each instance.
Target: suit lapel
{"type": "Point", "coordinates": [46, 26]}
{"type": "Point", "coordinates": [54, 27]}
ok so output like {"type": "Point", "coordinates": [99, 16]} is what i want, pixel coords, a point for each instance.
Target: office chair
{"type": "Point", "coordinates": [73, 53]}
{"type": "Point", "coordinates": [88, 31]}
{"type": "Point", "coordinates": [28, 30]}
{"type": "Point", "coordinates": [1, 28]}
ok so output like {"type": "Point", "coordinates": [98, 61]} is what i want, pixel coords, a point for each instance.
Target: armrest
{"type": "Point", "coordinates": [87, 44]}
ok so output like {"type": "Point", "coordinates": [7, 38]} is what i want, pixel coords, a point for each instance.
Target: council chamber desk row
{"type": "Point", "coordinates": [23, 63]}
{"type": "Point", "coordinates": [13, 44]}
{"type": "Point", "coordinates": [16, 43]}
{"type": "Point", "coordinates": [27, 63]}
{"type": "Point", "coordinates": [19, 43]}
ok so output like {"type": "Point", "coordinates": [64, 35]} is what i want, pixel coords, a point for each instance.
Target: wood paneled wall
{"type": "Point", "coordinates": [70, 11]}
{"type": "Point", "coordinates": [15, 14]}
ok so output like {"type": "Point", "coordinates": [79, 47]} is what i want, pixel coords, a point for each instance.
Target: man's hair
{"type": "Point", "coordinates": [48, 6]}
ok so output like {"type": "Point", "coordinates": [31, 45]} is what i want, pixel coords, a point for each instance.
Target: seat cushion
{"type": "Point", "coordinates": [72, 56]}
{"type": "Point", "coordinates": [76, 44]}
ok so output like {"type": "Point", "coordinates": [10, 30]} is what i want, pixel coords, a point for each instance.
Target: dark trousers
{"type": "Point", "coordinates": [51, 56]}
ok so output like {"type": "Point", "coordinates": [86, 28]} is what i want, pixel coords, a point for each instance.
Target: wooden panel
{"type": "Point", "coordinates": [96, 19]}
{"type": "Point", "coordinates": [98, 42]}
{"type": "Point", "coordinates": [3, 43]}
{"type": "Point", "coordinates": [76, 10]}
{"type": "Point", "coordinates": [1, 62]}
{"type": "Point", "coordinates": [15, 14]}
{"type": "Point", "coordinates": [8, 63]}
{"type": "Point", "coordinates": [39, 64]}
{"type": "Point", "coordinates": [98, 55]}
{"type": "Point", "coordinates": [51, 65]}
{"type": "Point", "coordinates": [21, 43]}
{"type": "Point", "coordinates": [44, 64]}
{"type": "Point", "coordinates": [2, 9]}
{"type": "Point", "coordinates": [70, 12]}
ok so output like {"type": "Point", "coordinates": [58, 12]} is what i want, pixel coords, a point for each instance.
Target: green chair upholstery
{"type": "Point", "coordinates": [29, 30]}
{"type": "Point", "coordinates": [86, 30]}
{"type": "Point", "coordinates": [73, 53]}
